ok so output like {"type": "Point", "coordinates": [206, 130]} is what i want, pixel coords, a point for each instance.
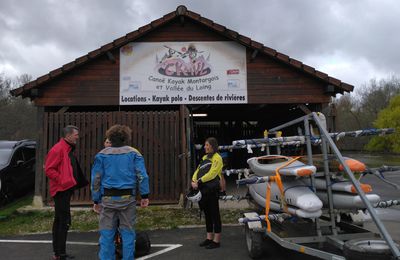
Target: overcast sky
{"type": "Point", "coordinates": [352, 40]}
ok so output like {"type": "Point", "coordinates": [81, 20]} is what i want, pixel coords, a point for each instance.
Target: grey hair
{"type": "Point", "coordinates": [69, 129]}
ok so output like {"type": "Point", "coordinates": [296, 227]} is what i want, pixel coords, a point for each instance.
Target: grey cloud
{"type": "Point", "coordinates": [358, 29]}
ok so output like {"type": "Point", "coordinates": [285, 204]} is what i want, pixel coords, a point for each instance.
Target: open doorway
{"type": "Point", "coordinates": [237, 122]}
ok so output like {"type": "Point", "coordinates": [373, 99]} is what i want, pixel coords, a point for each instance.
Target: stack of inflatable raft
{"type": "Point", "coordinates": [297, 196]}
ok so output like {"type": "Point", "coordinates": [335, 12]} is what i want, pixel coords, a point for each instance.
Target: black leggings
{"type": "Point", "coordinates": [62, 221]}
{"type": "Point", "coordinates": [210, 205]}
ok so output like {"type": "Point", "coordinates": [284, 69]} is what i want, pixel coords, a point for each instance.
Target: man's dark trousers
{"type": "Point", "coordinates": [62, 221]}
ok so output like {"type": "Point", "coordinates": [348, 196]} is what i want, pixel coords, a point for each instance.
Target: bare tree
{"type": "Point", "coordinates": [5, 87]}
{"type": "Point", "coordinates": [360, 109]}
{"type": "Point", "coordinates": [17, 115]}
{"type": "Point", "coordinates": [377, 95]}
{"type": "Point", "coordinates": [348, 114]}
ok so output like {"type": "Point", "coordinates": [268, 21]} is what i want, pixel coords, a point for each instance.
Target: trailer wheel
{"type": "Point", "coordinates": [366, 249]}
{"type": "Point", "coordinates": [254, 242]}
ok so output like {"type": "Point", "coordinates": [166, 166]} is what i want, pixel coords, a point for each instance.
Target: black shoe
{"type": "Point", "coordinates": [68, 256]}
{"type": "Point", "coordinates": [206, 242]}
{"type": "Point", "coordinates": [213, 245]}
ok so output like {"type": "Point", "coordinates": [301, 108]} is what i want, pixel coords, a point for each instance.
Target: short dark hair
{"type": "Point", "coordinates": [214, 143]}
{"type": "Point", "coordinates": [119, 135]}
{"type": "Point", "coordinates": [69, 129]}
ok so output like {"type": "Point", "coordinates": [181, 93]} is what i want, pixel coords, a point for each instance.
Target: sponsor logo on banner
{"type": "Point", "coordinates": [232, 72]}
{"type": "Point", "coordinates": [187, 63]}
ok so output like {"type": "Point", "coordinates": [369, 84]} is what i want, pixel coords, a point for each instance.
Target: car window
{"type": "Point", "coordinates": [29, 153]}
{"type": "Point", "coordinates": [5, 155]}
{"type": "Point", "coordinates": [17, 156]}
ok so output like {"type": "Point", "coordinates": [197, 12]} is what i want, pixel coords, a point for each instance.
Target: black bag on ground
{"type": "Point", "coordinates": [143, 244]}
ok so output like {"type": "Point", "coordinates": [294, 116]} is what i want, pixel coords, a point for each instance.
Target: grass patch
{"type": "Point", "coordinates": [30, 222]}
{"type": "Point", "coordinates": [11, 208]}
{"type": "Point", "coordinates": [153, 217]}
{"type": "Point", "coordinates": [167, 218]}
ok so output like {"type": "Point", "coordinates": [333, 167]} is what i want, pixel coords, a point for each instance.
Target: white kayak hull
{"type": "Point", "coordinates": [267, 165]}
{"type": "Point", "coordinates": [296, 194]}
{"type": "Point", "coordinates": [347, 201]}
{"type": "Point", "coordinates": [343, 186]}
{"type": "Point", "coordinates": [275, 206]}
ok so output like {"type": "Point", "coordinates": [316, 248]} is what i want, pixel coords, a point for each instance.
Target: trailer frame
{"type": "Point", "coordinates": [338, 232]}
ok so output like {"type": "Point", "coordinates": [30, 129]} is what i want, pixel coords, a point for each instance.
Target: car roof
{"type": "Point", "coordinates": [11, 146]}
{"type": "Point", "coordinates": [15, 144]}
{"type": "Point", "coordinates": [7, 144]}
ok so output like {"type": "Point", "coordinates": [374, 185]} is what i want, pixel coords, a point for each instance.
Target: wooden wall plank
{"type": "Point", "coordinates": [51, 142]}
{"type": "Point", "coordinates": [171, 159]}
{"type": "Point", "coordinates": [169, 154]}
{"type": "Point", "coordinates": [178, 172]}
{"type": "Point", "coordinates": [44, 152]}
{"type": "Point", "coordinates": [87, 155]}
{"type": "Point", "coordinates": [151, 150]}
{"type": "Point", "coordinates": [82, 147]}
{"type": "Point", "coordinates": [162, 167]}
{"type": "Point", "coordinates": [140, 131]}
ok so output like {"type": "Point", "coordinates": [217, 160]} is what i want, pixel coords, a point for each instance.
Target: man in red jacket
{"type": "Point", "coordinates": [65, 175]}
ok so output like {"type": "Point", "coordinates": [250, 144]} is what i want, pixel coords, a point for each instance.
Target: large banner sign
{"type": "Point", "coordinates": [182, 73]}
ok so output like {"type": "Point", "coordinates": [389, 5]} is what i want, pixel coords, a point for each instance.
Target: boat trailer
{"type": "Point", "coordinates": [325, 237]}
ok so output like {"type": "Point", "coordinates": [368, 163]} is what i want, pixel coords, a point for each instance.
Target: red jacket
{"type": "Point", "coordinates": [58, 168]}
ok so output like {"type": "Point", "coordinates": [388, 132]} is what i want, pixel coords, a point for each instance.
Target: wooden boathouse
{"type": "Point", "coordinates": [174, 81]}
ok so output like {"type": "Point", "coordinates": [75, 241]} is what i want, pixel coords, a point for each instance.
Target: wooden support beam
{"type": "Point", "coordinates": [40, 154]}
{"type": "Point", "coordinates": [253, 55]}
{"type": "Point", "coordinates": [111, 57]}
{"type": "Point", "coordinates": [304, 108]}
{"type": "Point", "coordinates": [181, 10]}
{"type": "Point", "coordinates": [62, 110]}
{"type": "Point", "coordinates": [34, 93]}
{"type": "Point", "coordinates": [183, 115]}
{"type": "Point", "coordinates": [329, 89]}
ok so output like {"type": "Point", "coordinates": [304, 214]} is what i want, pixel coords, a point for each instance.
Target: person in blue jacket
{"type": "Point", "coordinates": [118, 171]}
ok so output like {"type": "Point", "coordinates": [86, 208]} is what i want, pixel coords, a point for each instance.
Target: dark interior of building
{"type": "Point", "coordinates": [237, 122]}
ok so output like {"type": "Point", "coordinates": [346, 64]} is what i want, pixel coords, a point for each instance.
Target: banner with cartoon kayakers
{"type": "Point", "coordinates": [182, 73]}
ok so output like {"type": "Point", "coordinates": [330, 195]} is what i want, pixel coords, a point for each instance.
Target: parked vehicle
{"type": "Point", "coordinates": [17, 169]}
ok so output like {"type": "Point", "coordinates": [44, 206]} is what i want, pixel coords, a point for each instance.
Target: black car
{"type": "Point", "coordinates": [17, 169]}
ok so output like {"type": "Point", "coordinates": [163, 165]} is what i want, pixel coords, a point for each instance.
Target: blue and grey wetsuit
{"type": "Point", "coordinates": [116, 175]}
